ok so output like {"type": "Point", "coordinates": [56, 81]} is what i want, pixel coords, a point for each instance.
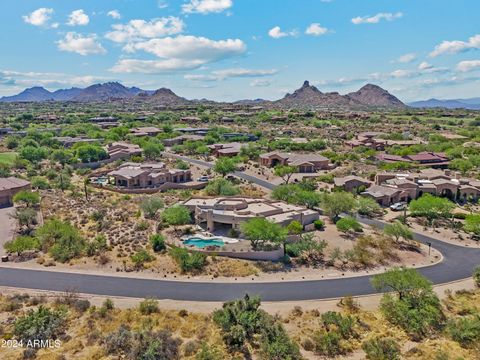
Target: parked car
{"type": "Point", "coordinates": [398, 206]}
{"type": "Point", "coordinates": [203, 179]}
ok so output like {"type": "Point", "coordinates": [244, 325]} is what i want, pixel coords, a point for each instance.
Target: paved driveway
{"type": "Point", "coordinates": [7, 226]}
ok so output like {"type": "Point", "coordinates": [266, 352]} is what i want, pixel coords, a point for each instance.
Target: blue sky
{"type": "Point", "coordinates": [235, 49]}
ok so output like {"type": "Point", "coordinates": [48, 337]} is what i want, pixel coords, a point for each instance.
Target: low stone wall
{"type": "Point", "coordinates": [273, 255]}
{"type": "Point", "coordinates": [167, 186]}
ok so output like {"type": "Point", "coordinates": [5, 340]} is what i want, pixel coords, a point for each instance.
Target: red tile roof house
{"type": "Point", "coordinates": [368, 139]}
{"type": "Point", "coordinates": [9, 187]}
{"type": "Point", "coordinates": [305, 163]}
{"type": "Point", "coordinates": [430, 159]}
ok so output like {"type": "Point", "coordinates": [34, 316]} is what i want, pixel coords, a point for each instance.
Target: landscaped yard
{"type": "Point", "coordinates": [7, 158]}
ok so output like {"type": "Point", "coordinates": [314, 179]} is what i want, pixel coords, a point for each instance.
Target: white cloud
{"type": "Point", "coordinates": [376, 18]}
{"type": "Point", "coordinates": [114, 14]}
{"type": "Point", "coordinates": [425, 66]}
{"type": "Point", "coordinates": [155, 66]}
{"type": "Point", "coordinates": [190, 47]}
{"type": "Point", "coordinates": [277, 33]}
{"type": "Point", "coordinates": [224, 74]}
{"type": "Point", "coordinates": [136, 30]}
{"type": "Point", "coordinates": [162, 4]}
{"type": "Point", "coordinates": [456, 46]}
{"type": "Point", "coordinates": [78, 18]}
{"type": "Point", "coordinates": [206, 6]}
{"type": "Point", "coordinates": [316, 29]}
{"type": "Point", "coordinates": [402, 73]}
{"type": "Point", "coordinates": [240, 72]}
{"type": "Point", "coordinates": [80, 44]}
{"type": "Point", "coordinates": [179, 53]}
{"type": "Point", "coordinates": [407, 58]}
{"type": "Point", "coordinates": [260, 83]}
{"type": "Point", "coordinates": [39, 17]}
{"type": "Point", "coordinates": [468, 65]}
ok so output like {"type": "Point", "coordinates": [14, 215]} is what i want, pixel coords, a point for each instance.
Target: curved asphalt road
{"type": "Point", "coordinates": [458, 263]}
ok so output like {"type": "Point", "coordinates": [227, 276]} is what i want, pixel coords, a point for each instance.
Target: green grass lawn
{"type": "Point", "coordinates": [7, 158]}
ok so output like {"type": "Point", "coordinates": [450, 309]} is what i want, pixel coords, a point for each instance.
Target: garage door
{"type": "Point", "coordinates": [4, 200]}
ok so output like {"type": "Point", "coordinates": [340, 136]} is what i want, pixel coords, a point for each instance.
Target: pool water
{"type": "Point", "coordinates": [201, 243]}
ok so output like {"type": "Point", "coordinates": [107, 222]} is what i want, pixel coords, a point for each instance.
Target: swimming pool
{"type": "Point", "coordinates": [201, 243]}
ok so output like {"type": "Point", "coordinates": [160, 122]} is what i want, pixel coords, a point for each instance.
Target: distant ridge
{"type": "Point", "coordinates": [469, 104]}
{"type": "Point", "coordinates": [309, 96]}
{"type": "Point", "coordinates": [306, 97]}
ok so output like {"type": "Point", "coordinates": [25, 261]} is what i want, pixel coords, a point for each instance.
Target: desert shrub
{"type": "Point", "coordinates": [21, 244]}
{"type": "Point", "coordinates": [369, 207]}
{"type": "Point", "coordinates": [150, 206]}
{"type": "Point", "coordinates": [319, 224]}
{"type": "Point", "coordinates": [158, 242]}
{"type": "Point", "coordinates": [465, 330]}
{"type": "Point", "coordinates": [142, 226]}
{"type": "Point", "coordinates": [148, 306]}
{"type": "Point", "coordinates": [240, 321]}
{"type": "Point", "coordinates": [141, 257]}
{"type": "Point", "coordinates": [108, 304]}
{"type": "Point", "coordinates": [306, 243]}
{"type": "Point", "coordinates": [381, 348]}
{"type": "Point", "coordinates": [221, 187]}
{"type": "Point", "coordinates": [347, 224]}
{"type": "Point", "coordinates": [119, 341]}
{"type": "Point", "coordinates": [61, 239]}
{"type": "Point", "coordinates": [154, 345]}
{"type": "Point", "coordinates": [328, 343]}
{"type": "Point", "coordinates": [209, 352]}
{"type": "Point", "coordinates": [176, 215]}
{"type": "Point", "coordinates": [39, 182]}
{"type": "Point", "coordinates": [41, 324]}
{"type": "Point", "coordinates": [188, 261]}
{"type": "Point", "coordinates": [276, 344]}
{"type": "Point", "coordinates": [476, 276]}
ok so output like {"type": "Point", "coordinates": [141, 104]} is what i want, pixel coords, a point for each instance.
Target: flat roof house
{"type": "Point", "coordinates": [9, 187]}
{"type": "Point", "coordinates": [305, 163]}
{"type": "Point", "coordinates": [233, 211]}
{"type": "Point", "coordinates": [351, 183]}
{"type": "Point", "coordinates": [145, 131]}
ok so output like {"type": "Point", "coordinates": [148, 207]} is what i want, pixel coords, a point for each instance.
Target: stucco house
{"type": "Point", "coordinates": [149, 175]}
{"type": "Point", "coordinates": [9, 187]}
{"type": "Point", "coordinates": [351, 183]}
{"type": "Point", "coordinates": [235, 210]}
{"type": "Point", "coordinates": [305, 163]}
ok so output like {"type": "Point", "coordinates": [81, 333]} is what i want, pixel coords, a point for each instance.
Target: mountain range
{"type": "Point", "coordinates": [470, 104]}
{"type": "Point", "coordinates": [306, 97]}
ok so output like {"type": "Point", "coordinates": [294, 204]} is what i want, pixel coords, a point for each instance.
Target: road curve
{"type": "Point", "coordinates": [458, 263]}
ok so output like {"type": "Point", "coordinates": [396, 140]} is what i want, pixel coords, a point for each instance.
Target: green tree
{"type": "Point", "coordinates": [61, 156]}
{"type": "Point", "coordinates": [260, 230]}
{"type": "Point", "coordinates": [432, 208]}
{"type": "Point", "coordinates": [61, 239]}
{"type": "Point", "coordinates": [225, 165]}
{"type": "Point", "coordinates": [336, 203]}
{"type": "Point", "coordinates": [88, 153]}
{"type": "Point", "coordinates": [398, 231]}
{"type": "Point", "coordinates": [347, 224]}
{"type": "Point", "coordinates": [188, 261]}
{"type": "Point", "coordinates": [415, 308]}
{"type": "Point", "coordinates": [151, 205]}
{"type": "Point", "coordinates": [22, 244]}
{"type": "Point", "coordinates": [369, 207]}
{"type": "Point", "coordinates": [285, 172]}
{"type": "Point", "coordinates": [153, 151]}
{"type": "Point", "coordinates": [176, 215]}
{"type": "Point", "coordinates": [28, 198]}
